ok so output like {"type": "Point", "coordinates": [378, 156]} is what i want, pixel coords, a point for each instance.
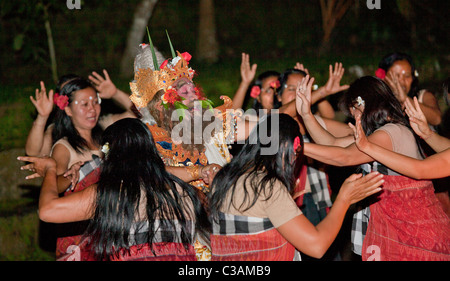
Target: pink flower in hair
{"type": "Point", "coordinates": [275, 84]}
{"type": "Point", "coordinates": [255, 92]}
{"type": "Point", "coordinates": [380, 73]}
{"type": "Point", "coordinates": [61, 101]}
{"type": "Point", "coordinates": [296, 143]}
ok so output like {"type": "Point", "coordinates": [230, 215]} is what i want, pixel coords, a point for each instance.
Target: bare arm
{"type": "Point", "coordinates": [247, 76]}
{"type": "Point", "coordinates": [429, 168]}
{"type": "Point", "coordinates": [346, 156]}
{"type": "Point", "coordinates": [39, 143]}
{"type": "Point", "coordinates": [317, 132]}
{"type": "Point", "coordinates": [55, 209]}
{"type": "Point", "coordinates": [315, 240]}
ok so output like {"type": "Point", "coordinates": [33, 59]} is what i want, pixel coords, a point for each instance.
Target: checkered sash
{"type": "Point", "coordinates": [87, 168]}
{"type": "Point", "coordinates": [237, 225]}
{"type": "Point", "coordinates": [319, 182]}
{"type": "Point", "coordinates": [248, 238]}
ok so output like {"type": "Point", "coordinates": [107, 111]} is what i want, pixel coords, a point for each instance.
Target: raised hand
{"type": "Point", "coordinates": [38, 165]}
{"type": "Point", "coordinates": [42, 102]}
{"type": "Point", "coordinates": [417, 119]}
{"type": "Point", "coordinates": [303, 96]}
{"type": "Point", "coordinates": [392, 80]}
{"type": "Point", "coordinates": [104, 86]}
{"type": "Point", "coordinates": [361, 140]}
{"type": "Point", "coordinates": [247, 72]}
{"type": "Point", "coordinates": [301, 67]}
{"type": "Point", "coordinates": [333, 84]}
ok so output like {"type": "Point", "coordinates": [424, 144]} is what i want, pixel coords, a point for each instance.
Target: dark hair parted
{"type": "Point", "coordinates": [283, 166]}
{"type": "Point", "coordinates": [133, 174]}
{"type": "Point", "coordinates": [388, 60]}
{"type": "Point", "coordinates": [63, 123]}
{"type": "Point", "coordinates": [380, 105]}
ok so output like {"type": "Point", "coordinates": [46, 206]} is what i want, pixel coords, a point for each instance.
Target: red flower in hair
{"type": "Point", "coordinates": [61, 101]}
{"type": "Point", "coordinates": [275, 84]}
{"type": "Point", "coordinates": [255, 92]}
{"type": "Point", "coordinates": [380, 73]}
{"type": "Point", "coordinates": [296, 143]}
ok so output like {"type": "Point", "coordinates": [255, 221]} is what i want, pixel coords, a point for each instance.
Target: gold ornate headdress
{"type": "Point", "coordinates": [147, 82]}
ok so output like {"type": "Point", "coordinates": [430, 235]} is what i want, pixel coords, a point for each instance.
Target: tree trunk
{"type": "Point", "coordinates": [51, 46]}
{"type": "Point", "coordinates": [208, 47]}
{"type": "Point", "coordinates": [141, 16]}
{"type": "Point", "coordinates": [332, 12]}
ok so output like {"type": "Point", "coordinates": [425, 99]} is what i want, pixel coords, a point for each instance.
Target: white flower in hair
{"type": "Point", "coordinates": [105, 148]}
{"type": "Point", "coordinates": [416, 73]}
{"type": "Point", "coordinates": [360, 101]}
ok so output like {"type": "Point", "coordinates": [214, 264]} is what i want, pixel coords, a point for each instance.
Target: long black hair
{"type": "Point", "coordinates": [380, 105]}
{"type": "Point", "coordinates": [282, 166]}
{"type": "Point", "coordinates": [388, 60]}
{"type": "Point", "coordinates": [63, 123]}
{"type": "Point", "coordinates": [131, 171]}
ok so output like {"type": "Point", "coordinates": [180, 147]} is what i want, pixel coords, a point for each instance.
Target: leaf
{"type": "Point", "coordinates": [171, 47]}
{"type": "Point", "coordinates": [155, 60]}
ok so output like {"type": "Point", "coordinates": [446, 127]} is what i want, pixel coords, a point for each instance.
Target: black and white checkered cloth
{"type": "Point", "coordinates": [228, 224]}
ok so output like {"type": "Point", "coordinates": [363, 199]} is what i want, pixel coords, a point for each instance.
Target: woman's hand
{"type": "Point", "coordinates": [42, 102]}
{"type": "Point", "coordinates": [247, 72]}
{"type": "Point", "coordinates": [303, 96]}
{"type": "Point", "coordinates": [74, 174]}
{"type": "Point", "coordinates": [417, 119]}
{"type": "Point", "coordinates": [105, 87]}
{"type": "Point", "coordinates": [333, 84]}
{"type": "Point", "coordinates": [361, 140]}
{"type": "Point", "coordinates": [356, 187]}
{"type": "Point", "coordinates": [300, 66]}
{"type": "Point", "coordinates": [38, 165]}
{"type": "Point", "coordinates": [208, 172]}
{"type": "Point", "coordinates": [393, 81]}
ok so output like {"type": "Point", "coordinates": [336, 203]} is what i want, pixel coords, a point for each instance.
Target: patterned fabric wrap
{"type": "Point", "coordinates": [166, 246]}
{"type": "Point", "coordinates": [72, 245]}
{"type": "Point", "coordinates": [361, 218]}
{"type": "Point", "coordinates": [407, 223]}
{"type": "Point", "coordinates": [241, 238]}
{"type": "Point", "coordinates": [318, 181]}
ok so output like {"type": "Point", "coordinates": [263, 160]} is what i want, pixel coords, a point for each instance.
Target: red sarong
{"type": "Point", "coordinates": [164, 252]}
{"type": "Point", "coordinates": [266, 246]}
{"type": "Point", "coordinates": [407, 223]}
{"type": "Point", "coordinates": [75, 248]}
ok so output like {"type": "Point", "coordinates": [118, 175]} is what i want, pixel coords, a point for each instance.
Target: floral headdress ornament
{"type": "Point", "coordinates": [380, 73]}
{"type": "Point", "coordinates": [360, 101]}
{"type": "Point", "coordinates": [149, 82]}
{"type": "Point", "coordinates": [105, 148]}
{"type": "Point", "coordinates": [297, 143]}
{"type": "Point", "coordinates": [61, 101]}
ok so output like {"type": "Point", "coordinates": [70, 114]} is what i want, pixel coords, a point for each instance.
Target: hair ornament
{"type": "Point", "coordinates": [255, 92]}
{"type": "Point", "coordinates": [416, 73]}
{"type": "Point", "coordinates": [380, 73]}
{"type": "Point", "coordinates": [105, 148]}
{"type": "Point", "coordinates": [360, 101]}
{"type": "Point", "coordinates": [297, 143]}
{"type": "Point", "coordinates": [61, 101]}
